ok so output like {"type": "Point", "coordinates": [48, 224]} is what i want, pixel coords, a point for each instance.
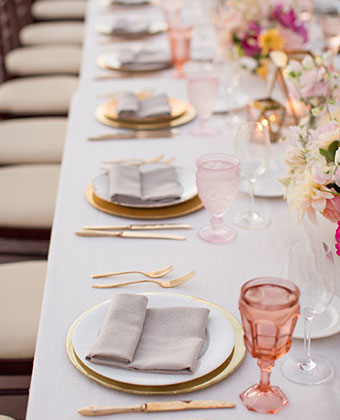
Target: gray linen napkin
{"type": "Point", "coordinates": [143, 59]}
{"type": "Point", "coordinates": [129, 27]}
{"type": "Point", "coordinates": [129, 106]}
{"type": "Point", "coordinates": [144, 184]}
{"type": "Point", "coordinates": [114, 341]}
{"type": "Point", "coordinates": [170, 339]}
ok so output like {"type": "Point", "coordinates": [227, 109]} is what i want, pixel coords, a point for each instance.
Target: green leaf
{"type": "Point", "coordinates": [333, 185]}
{"type": "Point", "coordinates": [333, 147]}
{"type": "Point", "coordinates": [326, 154]}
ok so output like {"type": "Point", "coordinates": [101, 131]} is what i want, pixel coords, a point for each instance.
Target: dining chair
{"type": "Point", "coordinates": [29, 193]}
{"type": "Point", "coordinates": [42, 10]}
{"type": "Point", "coordinates": [22, 286]}
{"type": "Point", "coordinates": [43, 59]}
{"type": "Point", "coordinates": [49, 33]}
{"type": "Point", "coordinates": [37, 96]}
{"type": "Point", "coordinates": [32, 140]}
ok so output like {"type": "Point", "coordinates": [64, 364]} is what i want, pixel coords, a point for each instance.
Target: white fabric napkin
{"type": "Point", "coordinates": [169, 341]}
{"type": "Point", "coordinates": [129, 106]}
{"type": "Point", "coordinates": [144, 184]}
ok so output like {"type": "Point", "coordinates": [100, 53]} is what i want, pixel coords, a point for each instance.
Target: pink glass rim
{"type": "Point", "coordinates": [269, 280]}
{"type": "Point", "coordinates": [217, 156]}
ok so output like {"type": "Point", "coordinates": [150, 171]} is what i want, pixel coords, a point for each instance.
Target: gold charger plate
{"type": "Point", "coordinates": [101, 63]}
{"type": "Point", "coordinates": [227, 368]}
{"type": "Point", "coordinates": [178, 108]}
{"type": "Point", "coordinates": [186, 117]}
{"type": "Point", "coordinates": [176, 210]}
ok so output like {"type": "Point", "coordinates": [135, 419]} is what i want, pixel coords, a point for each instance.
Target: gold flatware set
{"type": "Point", "coordinates": [136, 135]}
{"type": "Point", "coordinates": [133, 231]}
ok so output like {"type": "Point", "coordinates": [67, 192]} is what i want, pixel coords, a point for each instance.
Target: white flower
{"type": "Point", "coordinates": [337, 157]}
{"type": "Point", "coordinates": [249, 63]}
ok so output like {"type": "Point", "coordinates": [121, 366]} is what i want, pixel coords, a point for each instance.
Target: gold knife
{"type": "Point", "coordinates": [140, 227]}
{"type": "Point", "coordinates": [136, 135]}
{"type": "Point", "coordinates": [128, 234]}
{"type": "Point", "coordinates": [154, 407]}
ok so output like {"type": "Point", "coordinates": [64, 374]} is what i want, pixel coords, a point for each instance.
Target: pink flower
{"type": "Point", "coordinates": [332, 209]}
{"type": "Point", "coordinates": [250, 43]}
{"type": "Point", "coordinates": [288, 19]}
{"type": "Point", "coordinates": [337, 238]}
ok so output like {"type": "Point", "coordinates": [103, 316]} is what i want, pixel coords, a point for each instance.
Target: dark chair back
{"type": "Point", "coordinates": [8, 33]}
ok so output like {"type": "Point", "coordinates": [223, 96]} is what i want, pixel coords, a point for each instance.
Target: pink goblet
{"type": "Point", "coordinates": [269, 309]}
{"type": "Point", "coordinates": [180, 42]}
{"type": "Point", "coordinates": [217, 179]}
{"type": "Point", "coordinates": [203, 94]}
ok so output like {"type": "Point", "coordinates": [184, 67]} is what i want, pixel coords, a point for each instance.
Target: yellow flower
{"type": "Point", "coordinates": [262, 70]}
{"type": "Point", "coordinates": [271, 40]}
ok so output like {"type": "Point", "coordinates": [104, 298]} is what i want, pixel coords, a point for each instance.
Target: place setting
{"type": "Point", "coordinates": [138, 351]}
{"type": "Point", "coordinates": [150, 189]}
{"type": "Point", "coordinates": [145, 112]}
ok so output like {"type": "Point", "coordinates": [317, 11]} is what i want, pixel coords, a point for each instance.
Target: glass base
{"type": "Point", "coordinates": [251, 220]}
{"type": "Point", "coordinates": [203, 132]}
{"type": "Point", "coordinates": [296, 371]}
{"type": "Point", "coordinates": [270, 401]}
{"type": "Point", "coordinates": [226, 234]}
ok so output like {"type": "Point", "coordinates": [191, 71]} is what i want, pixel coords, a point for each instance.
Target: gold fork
{"type": "Point", "coordinates": [163, 283]}
{"type": "Point", "coordinates": [151, 274]}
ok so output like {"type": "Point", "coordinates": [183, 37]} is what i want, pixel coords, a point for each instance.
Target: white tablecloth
{"type": "Point", "coordinates": [58, 389]}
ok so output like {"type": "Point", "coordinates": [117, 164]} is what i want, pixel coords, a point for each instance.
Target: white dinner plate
{"type": "Point", "coordinates": [186, 179]}
{"type": "Point", "coordinates": [218, 345]}
{"type": "Point", "coordinates": [267, 185]}
{"type": "Point", "coordinates": [323, 325]}
{"type": "Point", "coordinates": [152, 29]}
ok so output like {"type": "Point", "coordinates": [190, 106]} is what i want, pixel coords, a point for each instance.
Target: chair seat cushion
{"type": "Point", "coordinates": [21, 290]}
{"type": "Point", "coordinates": [38, 60]}
{"type": "Point", "coordinates": [28, 195]}
{"type": "Point", "coordinates": [44, 95]}
{"type": "Point", "coordinates": [54, 10]}
{"type": "Point", "coordinates": [32, 140]}
{"type": "Point", "coordinates": [52, 33]}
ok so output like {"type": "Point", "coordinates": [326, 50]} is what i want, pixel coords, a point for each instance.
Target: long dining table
{"type": "Point", "coordinates": [58, 389]}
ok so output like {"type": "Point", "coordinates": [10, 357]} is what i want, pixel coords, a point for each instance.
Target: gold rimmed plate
{"type": "Point", "coordinates": [178, 109]}
{"type": "Point", "coordinates": [185, 118]}
{"type": "Point", "coordinates": [218, 359]}
{"type": "Point", "coordinates": [110, 61]}
{"type": "Point", "coordinates": [188, 207]}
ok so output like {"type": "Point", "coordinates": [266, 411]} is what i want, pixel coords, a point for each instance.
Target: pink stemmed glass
{"type": "Point", "coordinates": [269, 309]}
{"type": "Point", "coordinates": [180, 43]}
{"type": "Point", "coordinates": [217, 179]}
{"type": "Point", "coordinates": [203, 94]}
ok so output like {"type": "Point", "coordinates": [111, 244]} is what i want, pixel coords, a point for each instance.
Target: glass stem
{"type": "Point", "coordinates": [307, 362]}
{"type": "Point", "coordinates": [203, 123]}
{"type": "Point", "coordinates": [251, 194]}
{"type": "Point", "coordinates": [266, 367]}
{"type": "Point", "coordinates": [216, 223]}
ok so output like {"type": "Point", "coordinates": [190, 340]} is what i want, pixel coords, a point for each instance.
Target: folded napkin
{"type": "Point", "coordinates": [162, 339]}
{"type": "Point", "coordinates": [144, 184]}
{"type": "Point", "coordinates": [136, 60]}
{"type": "Point", "coordinates": [129, 27]}
{"type": "Point", "coordinates": [130, 106]}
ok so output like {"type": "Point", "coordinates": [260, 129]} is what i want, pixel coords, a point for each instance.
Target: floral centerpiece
{"type": "Point", "coordinates": [257, 27]}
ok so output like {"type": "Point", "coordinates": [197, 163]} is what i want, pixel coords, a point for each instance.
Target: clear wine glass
{"type": "Point", "coordinates": [218, 179]}
{"type": "Point", "coordinates": [269, 309]}
{"type": "Point", "coordinates": [252, 147]}
{"type": "Point", "coordinates": [203, 94]}
{"type": "Point", "coordinates": [311, 267]}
